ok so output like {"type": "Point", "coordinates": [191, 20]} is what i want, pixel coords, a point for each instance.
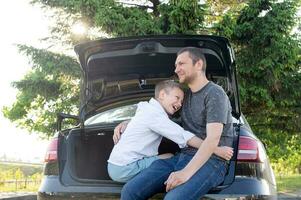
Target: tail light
{"type": "Point", "coordinates": [51, 153]}
{"type": "Point", "coordinates": [250, 150]}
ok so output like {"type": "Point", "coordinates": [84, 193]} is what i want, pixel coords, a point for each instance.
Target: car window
{"type": "Point", "coordinates": [113, 115]}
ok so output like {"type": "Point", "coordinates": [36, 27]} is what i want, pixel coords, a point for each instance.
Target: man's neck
{"type": "Point", "coordinates": [198, 83]}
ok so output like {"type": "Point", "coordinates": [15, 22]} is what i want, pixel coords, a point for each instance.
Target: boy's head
{"type": "Point", "coordinates": [170, 95]}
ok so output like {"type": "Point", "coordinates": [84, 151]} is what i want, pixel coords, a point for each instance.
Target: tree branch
{"type": "Point", "coordinates": [137, 5]}
{"type": "Point", "coordinates": [155, 3]}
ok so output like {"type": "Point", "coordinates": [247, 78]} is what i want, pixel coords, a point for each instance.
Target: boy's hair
{"type": "Point", "coordinates": [166, 86]}
{"type": "Point", "coordinates": [195, 54]}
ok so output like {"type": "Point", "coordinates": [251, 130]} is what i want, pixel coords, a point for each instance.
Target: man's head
{"type": "Point", "coordinates": [170, 96]}
{"type": "Point", "coordinates": [190, 64]}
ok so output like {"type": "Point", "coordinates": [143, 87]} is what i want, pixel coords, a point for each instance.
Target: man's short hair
{"type": "Point", "coordinates": [195, 54]}
{"type": "Point", "coordinates": [166, 85]}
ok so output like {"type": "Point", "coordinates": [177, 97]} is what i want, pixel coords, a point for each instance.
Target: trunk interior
{"type": "Point", "coordinates": [89, 152]}
{"type": "Point", "coordinates": [87, 155]}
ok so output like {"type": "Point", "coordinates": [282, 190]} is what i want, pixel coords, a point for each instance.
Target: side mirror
{"type": "Point", "coordinates": [61, 117]}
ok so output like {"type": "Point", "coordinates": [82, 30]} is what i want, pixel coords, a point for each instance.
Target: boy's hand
{"type": "Point", "coordinates": [224, 152]}
{"type": "Point", "coordinates": [118, 130]}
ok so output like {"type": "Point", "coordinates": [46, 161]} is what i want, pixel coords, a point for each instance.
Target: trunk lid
{"type": "Point", "coordinates": [116, 67]}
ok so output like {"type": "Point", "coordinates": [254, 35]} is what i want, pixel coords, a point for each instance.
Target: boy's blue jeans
{"type": "Point", "coordinates": [151, 180]}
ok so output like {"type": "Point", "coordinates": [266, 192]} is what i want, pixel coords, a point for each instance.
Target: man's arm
{"type": "Point", "coordinates": [206, 149]}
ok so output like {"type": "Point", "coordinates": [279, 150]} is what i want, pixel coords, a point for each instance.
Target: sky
{"type": "Point", "coordinates": [21, 23]}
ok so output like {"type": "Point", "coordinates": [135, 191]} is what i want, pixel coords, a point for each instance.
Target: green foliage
{"type": "Point", "coordinates": [219, 9]}
{"type": "Point", "coordinates": [51, 86]}
{"type": "Point", "coordinates": [269, 69]}
{"type": "Point", "coordinates": [19, 177]}
{"type": "Point", "coordinates": [268, 60]}
{"type": "Point", "coordinates": [284, 151]}
{"type": "Point", "coordinates": [125, 21]}
{"type": "Point", "coordinates": [117, 19]}
{"type": "Point", "coordinates": [9, 171]}
{"type": "Point", "coordinates": [191, 22]}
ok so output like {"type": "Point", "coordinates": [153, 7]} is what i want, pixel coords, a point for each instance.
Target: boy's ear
{"type": "Point", "coordinates": [161, 94]}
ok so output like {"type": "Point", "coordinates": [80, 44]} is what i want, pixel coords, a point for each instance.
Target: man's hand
{"type": "Point", "coordinates": [118, 130]}
{"type": "Point", "coordinates": [224, 152]}
{"type": "Point", "coordinates": [175, 179]}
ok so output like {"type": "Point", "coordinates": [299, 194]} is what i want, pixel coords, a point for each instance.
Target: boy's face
{"type": "Point", "coordinates": [171, 100]}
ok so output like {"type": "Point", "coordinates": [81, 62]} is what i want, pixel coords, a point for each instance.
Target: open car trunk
{"type": "Point", "coordinates": [87, 156]}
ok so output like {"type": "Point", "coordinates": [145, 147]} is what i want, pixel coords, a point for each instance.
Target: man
{"type": "Point", "coordinates": [206, 111]}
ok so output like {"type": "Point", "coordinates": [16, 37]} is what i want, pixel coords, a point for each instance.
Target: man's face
{"type": "Point", "coordinates": [185, 69]}
{"type": "Point", "coordinates": [171, 100]}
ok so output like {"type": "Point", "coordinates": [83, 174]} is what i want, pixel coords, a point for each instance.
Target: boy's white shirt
{"type": "Point", "coordinates": [144, 133]}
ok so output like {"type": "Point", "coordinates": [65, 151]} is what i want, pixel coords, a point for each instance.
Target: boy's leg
{"type": "Point", "coordinates": [209, 176]}
{"type": "Point", "coordinates": [150, 181]}
{"type": "Point", "coordinates": [121, 173]}
{"type": "Point", "coordinates": [124, 173]}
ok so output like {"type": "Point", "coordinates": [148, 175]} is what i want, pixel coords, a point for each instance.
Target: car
{"type": "Point", "coordinates": [118, 73]}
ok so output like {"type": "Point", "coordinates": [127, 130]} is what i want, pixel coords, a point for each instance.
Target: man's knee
{"type": "Point", "coordinates": [173, 195]}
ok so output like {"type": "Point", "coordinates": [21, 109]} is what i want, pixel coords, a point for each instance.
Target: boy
{"type": "Point", "coordinates": [138, 145]}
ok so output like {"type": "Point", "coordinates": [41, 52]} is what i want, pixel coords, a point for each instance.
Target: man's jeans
{"type": "Point", "coordinates": [151, 180]}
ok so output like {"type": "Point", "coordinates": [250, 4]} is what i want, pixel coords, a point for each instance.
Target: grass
{"type": "Point", "coordinates": [13, 188]}
{"type": "Point", "coordinates": [290, 183]}
{"type": "Point", "coordinates": [19, 177]}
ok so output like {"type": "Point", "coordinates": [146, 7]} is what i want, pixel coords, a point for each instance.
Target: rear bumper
{"type": "Point", "coordinates": [157, 197]}
{"type": "Point", "coordinates": [242, 188]}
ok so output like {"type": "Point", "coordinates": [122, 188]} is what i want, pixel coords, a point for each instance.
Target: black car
{"type": "Point", "coordinates": [118, 73]}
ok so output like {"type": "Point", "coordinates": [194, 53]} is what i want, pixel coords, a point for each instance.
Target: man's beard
{"type": "Point", "coordinates": [189, 79]}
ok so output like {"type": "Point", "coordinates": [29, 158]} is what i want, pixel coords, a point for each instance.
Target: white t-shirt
{"type": "Point", "coordinates": [144, 133]}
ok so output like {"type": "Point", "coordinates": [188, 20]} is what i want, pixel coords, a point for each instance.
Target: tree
{"type": "Point", "coordinates": [268, 58]}
{"type": "Point", "coordinates": [53, 84]}
{"type": "Point", "coordinates": [261, 30]}
{"type": "Point", "coordinates": [50, 87]}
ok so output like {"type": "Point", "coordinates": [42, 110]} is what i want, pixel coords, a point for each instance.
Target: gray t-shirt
{"type": "Point", "coordinates": [208, 105]}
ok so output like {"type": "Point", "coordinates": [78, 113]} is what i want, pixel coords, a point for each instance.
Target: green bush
{"type": "Point", "coordinates": [284, 151]}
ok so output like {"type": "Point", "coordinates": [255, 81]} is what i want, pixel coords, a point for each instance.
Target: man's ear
{"type": "Point", "coordinates": [199, 64]}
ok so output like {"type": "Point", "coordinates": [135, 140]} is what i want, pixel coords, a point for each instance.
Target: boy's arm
{"type": "Point", "coordinates": [162, 125]}
{"type": "Point", "coordinates": [223, 152]}
{"type": "Point", "coordinates": [195, 142]}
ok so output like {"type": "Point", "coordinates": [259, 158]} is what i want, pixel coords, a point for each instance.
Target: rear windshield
{"type": "Point", "coordinates": [113, 115]}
